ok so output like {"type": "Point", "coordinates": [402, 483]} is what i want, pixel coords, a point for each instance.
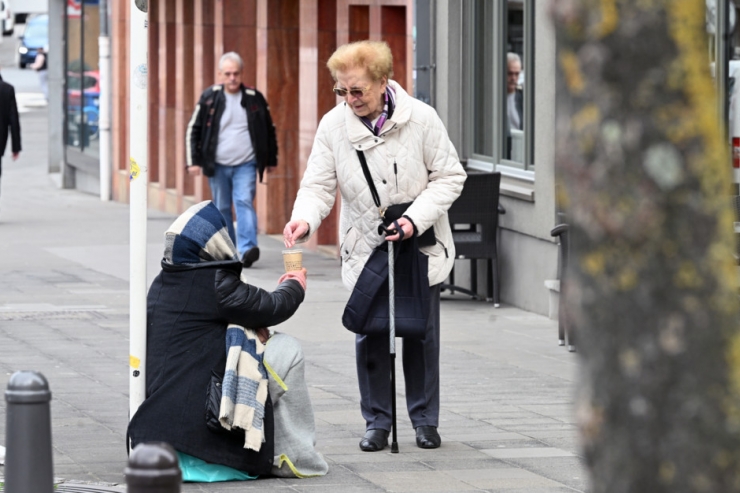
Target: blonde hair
{"type": "Point", "coordinates": [374, 56]}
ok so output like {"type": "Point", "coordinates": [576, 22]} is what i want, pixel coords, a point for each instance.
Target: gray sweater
{"type": "Point", "coordinates": [295, 430]}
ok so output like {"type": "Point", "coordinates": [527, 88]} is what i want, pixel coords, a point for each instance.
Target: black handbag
{"type": "Point", "coordinates": [367, 311]}
{"type": "Point", "coordinates": [259, 462]}
{"type": "Point", "coordinates": [213, 406]}
{"type": "Point", "coordinates": [392, 212]}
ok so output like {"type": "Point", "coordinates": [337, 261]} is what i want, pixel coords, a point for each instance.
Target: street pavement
{"type": "Point", "coordinates": [506, 420]}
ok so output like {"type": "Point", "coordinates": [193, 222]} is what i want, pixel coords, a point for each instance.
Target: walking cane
{"type": "Point", "coordinates": [392, 326]}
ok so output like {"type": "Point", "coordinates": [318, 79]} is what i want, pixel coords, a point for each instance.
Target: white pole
{"type": "Point", "coordinates": [138, 138]}
{"type": "Point", "coordinates": [104, 103]}
{"type": "Point", "coordinates": [104, 118]}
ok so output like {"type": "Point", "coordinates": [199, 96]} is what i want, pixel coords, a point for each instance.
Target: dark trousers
{"type": "Point", "coordinates": [420, 372]}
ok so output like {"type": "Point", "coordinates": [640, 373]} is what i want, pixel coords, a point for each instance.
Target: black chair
{"type": "Point", "coordinates": [565, 332]}
{"type": "Point", "coordinates": [474, 222]}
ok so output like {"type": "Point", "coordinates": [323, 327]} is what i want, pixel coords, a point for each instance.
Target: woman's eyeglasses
{"type": "Point", "coordinates": [355, 92]}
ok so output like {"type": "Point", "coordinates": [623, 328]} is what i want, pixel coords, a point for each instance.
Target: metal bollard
{"type": "Point", "coordinates": [28, 457]}
{"type": "Point", "coordinates": [153, 468]}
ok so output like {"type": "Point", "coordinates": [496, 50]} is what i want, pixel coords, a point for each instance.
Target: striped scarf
{"type": "Point", "coordinates": [389, 104]}
{"type": "Point", "coordinates": [244, 390]}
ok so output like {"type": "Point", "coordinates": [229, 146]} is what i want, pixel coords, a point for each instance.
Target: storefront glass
{"type": "Point", "coordinates": [83, 76]}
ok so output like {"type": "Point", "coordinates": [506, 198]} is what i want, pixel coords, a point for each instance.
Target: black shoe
{"type": "Point", "coordinates": [252, 255]}
{"type": "Point", "coordinates": [374, 440]}
{"type": "Point", "coordinates": [427, 437]}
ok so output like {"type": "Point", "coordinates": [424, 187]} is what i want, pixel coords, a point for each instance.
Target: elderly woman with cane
{"type": "Point", "coordinates": [410, 158]}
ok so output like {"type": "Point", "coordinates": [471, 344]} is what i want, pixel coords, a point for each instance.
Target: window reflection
{"type": "Point", "coordinates": [83, 78]}
{"type": "Point", "coordinates": [514, 108]}
{"type": "Point", "coordinates": [514, 73]}
{"type": "Point", "coordinates": [500, 106]}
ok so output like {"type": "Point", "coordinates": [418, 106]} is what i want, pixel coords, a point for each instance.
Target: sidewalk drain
{"type": "Point", "coordinates": [50, 315]}
{"type": "Point", "coordinates": [79, 488]}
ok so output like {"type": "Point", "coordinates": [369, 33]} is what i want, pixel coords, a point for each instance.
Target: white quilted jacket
{"type": "Point", "coordinates": [411, 159]}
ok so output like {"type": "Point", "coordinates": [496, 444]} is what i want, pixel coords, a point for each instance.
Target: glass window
{"type": "Point", "coordinates": [514, 71]}
{"type": "Point", "coordinates": [500, 128]}
{"type": "Point", "coordinates": [482, 67]}
{"type": "Point", "coordinates": [83, 87]}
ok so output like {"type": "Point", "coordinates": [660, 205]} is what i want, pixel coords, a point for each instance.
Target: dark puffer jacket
{"type": "Point", "coordinates": [189, 308]}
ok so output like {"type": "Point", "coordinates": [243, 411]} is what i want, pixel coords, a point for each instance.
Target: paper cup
{"type": "Point", "coordinates": [292, 260]}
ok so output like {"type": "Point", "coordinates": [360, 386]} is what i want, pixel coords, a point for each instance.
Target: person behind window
{"type": "Point", "coordinates": [514, 99]}
{"type": "Point", "coordinates": [410, 157]}
{"type": "Point", "coordinates": [514, 93]}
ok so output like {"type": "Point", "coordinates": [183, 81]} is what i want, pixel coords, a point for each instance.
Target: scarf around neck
{"type": "Point", "coordinates": [389, 104]}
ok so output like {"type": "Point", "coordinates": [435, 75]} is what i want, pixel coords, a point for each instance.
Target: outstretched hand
{"type": "Point", "coordinates": [294, 231]}
{"type": "Point", "coordinates": [296, 275]}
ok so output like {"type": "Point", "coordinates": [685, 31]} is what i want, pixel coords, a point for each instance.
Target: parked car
{"type": "Point", "coordinates": [8, 20]}
{"type": "Point", "coordinates": [35, 36]}
{"type": "Point", "coordinates": [83, 101]}
{"type": "Point", "coordinates": [89, 84]}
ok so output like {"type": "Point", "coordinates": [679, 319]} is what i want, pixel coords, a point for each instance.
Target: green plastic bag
{"type": "Point", "coordinates": [195, 470]}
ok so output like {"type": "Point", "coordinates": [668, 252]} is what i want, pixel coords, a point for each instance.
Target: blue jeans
{"type": "Point", "coordinates": [237, 184]}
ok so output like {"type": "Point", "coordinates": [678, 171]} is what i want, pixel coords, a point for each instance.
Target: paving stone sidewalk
{"type": "Point", "coordinates": [507, 389]}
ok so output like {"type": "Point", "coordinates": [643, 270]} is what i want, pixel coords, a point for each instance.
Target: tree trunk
{"type": "Point", "coordinates": [644, 180]}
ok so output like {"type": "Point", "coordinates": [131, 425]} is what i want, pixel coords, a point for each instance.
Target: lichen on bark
{"type": "Point", "coordinates": [644, 180]}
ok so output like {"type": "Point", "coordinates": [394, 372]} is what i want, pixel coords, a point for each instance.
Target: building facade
{"type": "Point", "coordinates": [451, 54]}
{"type": "Point", "coordinates": [470, 42]}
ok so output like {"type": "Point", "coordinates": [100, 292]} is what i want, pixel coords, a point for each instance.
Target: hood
{"type": "Point", "coordinates": [199, 235]}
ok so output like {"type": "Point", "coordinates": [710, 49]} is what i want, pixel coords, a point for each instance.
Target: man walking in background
{"type": "Point", "coordinates": [231, 138]}
{"type": "Point", "coordinates": [9, 122]}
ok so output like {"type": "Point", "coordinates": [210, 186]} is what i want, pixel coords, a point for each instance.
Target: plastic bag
{"type": "Point", "coordinates": [195, 470]}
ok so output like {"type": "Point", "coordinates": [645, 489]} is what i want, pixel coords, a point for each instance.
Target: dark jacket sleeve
{"type": "Point", "coordinates": [272, 147]}
{"type": "Point", "coordinates": [194, 134]}
{"type": "Point", "coordinates": [15, 124]}
{"type": "Point", "coordinates": [253, 307]}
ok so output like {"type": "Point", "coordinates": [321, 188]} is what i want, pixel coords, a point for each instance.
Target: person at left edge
{"type": "Point", "coordinates": [9, 122]}
{"type": "Point", "coordinates": [231, 138]}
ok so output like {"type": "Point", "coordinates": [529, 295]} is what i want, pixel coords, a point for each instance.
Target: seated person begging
{"type": "Point", "coordinates": [191, 303]}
